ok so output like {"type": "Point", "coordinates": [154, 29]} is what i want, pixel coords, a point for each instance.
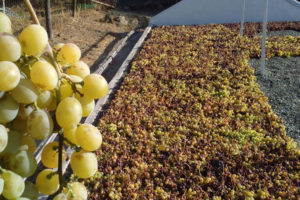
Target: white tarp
{"type": "Point", "coordinates": [190, 12]}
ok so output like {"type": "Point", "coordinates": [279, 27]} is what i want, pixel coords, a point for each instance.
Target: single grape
{"type": "Point", "coordinates": [60, 196]}
{"type": "Point", "coordinates": [84, 164]}
{"type": "Point", "coordinates": [69, 54]}
{"type": "Point", "coordinates": [79, 68]}
{"type": "Point", "coordinates": [33, 39]}
{"type": "Point", "coordinates": [24, 111]}
{"type": "Point", "coordinates": [29, 142]}
{"type": "Point", "coordinates": [9, 109]}
{"type": "Point", "coordinates": [3, 138]}
{"type": "Point", "coordinates": [10, 75]}
{"type": "Point", "coordinates": [39, 124]}
{"type": "Point", "coordinates": [95, 86]}
{"type": "Point", "coordinates": [68, 113]}
{"type": "Point", "coordinates": [20, 125]}
{"type": "Point", "coordinates": [87, 104]}
{"type": "Point", "coordinates": [13, 143]}
{"type": "Point", "coordinates": [1, 185]}
{"type": "Point", "coordinates": [44, 99]}
{"type": "Point", "coordinates": [88, 137]}
{"type": "Point", "coordinates": [30, 191]}
{"type": "Point", "coordinates": [25, 92]}
{"type": "Point", "coordinates": [70, 134]}
{"type": "Point", "coordinates": [65, 90]}
{"type": "Point", "coordinates": [13, 185]}
{"type": "Point", "coordinates": [5, 24]}
{"type": "Point", "coordinates": [23, 163]}
{"type": "Point", "coordinates": [76, 79]}
{"type": "Point", "coordinates": [10, 48]}
{"type": "Point", "coordinates": [45, 184]}
{"type": "Point", "coordinates": [49, 156]}
{"type": "Point", "coordinates": [79, 191]}
{"type": "Point", "coordinates": [44, 75]}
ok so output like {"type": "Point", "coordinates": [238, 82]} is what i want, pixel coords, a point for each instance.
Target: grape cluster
{"type": "Point", "coordinates": [44, 90]}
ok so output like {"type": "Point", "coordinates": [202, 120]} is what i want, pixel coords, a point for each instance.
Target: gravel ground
{"type": "Point", "coordinates": [281, 84]}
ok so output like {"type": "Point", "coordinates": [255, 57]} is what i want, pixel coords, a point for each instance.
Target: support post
{"type": "Point", "coordinates": [3, 5]}
{"type": "Point", "coordinates": [74, 7]}
{"type": "Point", "coordinates": [243, 18]}
{"type": "Point", "coordinates": [48, 18]}
{"type": "Point", "coordinates": [263, 47]}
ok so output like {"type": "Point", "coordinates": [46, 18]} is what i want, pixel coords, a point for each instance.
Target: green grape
{"type": "Point", "coordinates": [20, 125]}
{"type": "Point", "coordinates": [10, 48]}
{"type": "Point", "coordinates": [30, 191]}
{"type": "Point", "coordinates": [88, 137]}
{"type": "Point", "coordinates": [28, 141]}
{"type": "Point", "coordinates": [95, 86]}
{"type": "Point", "coordinates": [9, 109]}
{"type": "Point", "coordinates": [13, 143]}
{"type": "Point", "coordinates": [87, 104]}
{"type": "Point", "coordinates": [39, 124]}
{"type": "Point", "coordinates": [25, 92]}
{"type": "Point", "coordinates": [70, 134]}
{"type": "Point", "coordinates": [33, 39]}
{"type": "Point", "coordinates": [1, 185]}
{"type": "Point", "coordinates": [44, 75]}
{"type": "Point", "coordinates": [3, 138]}
{"type": "Point", "coordinates": [68, 113]}
{"type": "Point", "coordinates": [13, 185]}
{"type": "Point", "coordinates": [23, 163]}
{"type": "Point", "coordinates": [84, 164]}
{"type": "Point", "coordinates": [69, 54]}
{"type": "Point", "coordinates": [25, 111]}
{"type": "Point", "coordinates": [65, 90]}
{"type": "Point", "coordinates": [47, 185]}
{"type": "Point", "coordinates": [10, 75]}
{"type": "Point", "coordinates": [49, 155]}
{"type": "Point", "coordinates": [60, 196]}
{"type": "Point", "coordinates": [79, 68]}
{"type": "Point", "coordinates": [44, 99]}
{"type": "Point", "coordinates": [5, 24]}
{"type": "Point", "coordinates": [79, 191]}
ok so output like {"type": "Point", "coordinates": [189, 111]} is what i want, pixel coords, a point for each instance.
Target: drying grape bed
{"type": "Point", "coordinates": [190, 122]}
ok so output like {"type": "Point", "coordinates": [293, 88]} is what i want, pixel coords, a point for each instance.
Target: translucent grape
{"type": "Point", "coordinates": [65, 90]}
{"type": "Point", "coordinates": [10, 75]}
{"type": "Point", "coordinates": [84, 164]}
{"type": "Point", "coordinates": [70, 134]}
{"type": "Point", "coordinates": [3, 138]}
{"type": "Point", "coordinates": [79, 191]}
{"type": "Point", "coordinates": [60, 196]}
{"type": "Point", "coordinates": [10, 48]}
{"type": "Point", "coordinates": [20, 125]}
{"type": "Point", "coordinates": [25, 92]}
{"type": "Point", "coordinates": [13, 143]}
{"type": "Point", "coordinates": [68, 113]}
{"type": "Point", "coordinates": [33, 39]}
{"type": "Point", "coordinates": [49, 156]}
{"type": "Point", "coordinates": [88, 137]}
{"type": "Point", "coordinates": [69, 54]}
{"type": "Point", "coordinates": [39, 124]}
{"type": "Point", "coordinates": [5, 24]}
{"type": "Point", "coordinates": [9, 109]}
{"type": "Point", "coordinates": [87, 104]}
{"type": "Point", "coordinates": [29, 142]}
{"type": "Point", "coordinates": [1, 185]}
{"type": "Point", "coordinates": [44, 99]}
{"type": "Point", "coordinates": [79, 68]}
{"type": "Point", "coordinates": [30, 191]}
{"type": "Point", "coordinates": [76, 79]}
{"type": "Point", "coordinates": [44, 75]}
{"type": "Point", "coordinates": [13, 185]}
{"type": "Point", "coordinates": [47, 185]}
{"type": "Point", "coordinates": [95, 86]}
{"type": "Point", "coordinates": [23, 163]}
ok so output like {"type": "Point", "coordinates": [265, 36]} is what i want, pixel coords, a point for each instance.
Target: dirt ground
{"type": "Point", "coordinates": [94, 30]}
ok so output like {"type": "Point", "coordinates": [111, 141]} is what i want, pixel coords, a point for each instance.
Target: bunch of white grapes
{"type": "Point", "coordinates": [40, 89]}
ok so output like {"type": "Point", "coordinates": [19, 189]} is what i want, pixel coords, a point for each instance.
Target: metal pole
{"type": "Point", "coordinates": [3, 3]}
{"type": "Point", "coordinates": [243, 18]}
{"type": "Point", "coordinates": [263, 48]}
{"type": "Point", "coordinates": [48, 18]}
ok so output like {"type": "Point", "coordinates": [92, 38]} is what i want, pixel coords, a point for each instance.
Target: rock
{"type": "Point", "coordinates": [122, 20]}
